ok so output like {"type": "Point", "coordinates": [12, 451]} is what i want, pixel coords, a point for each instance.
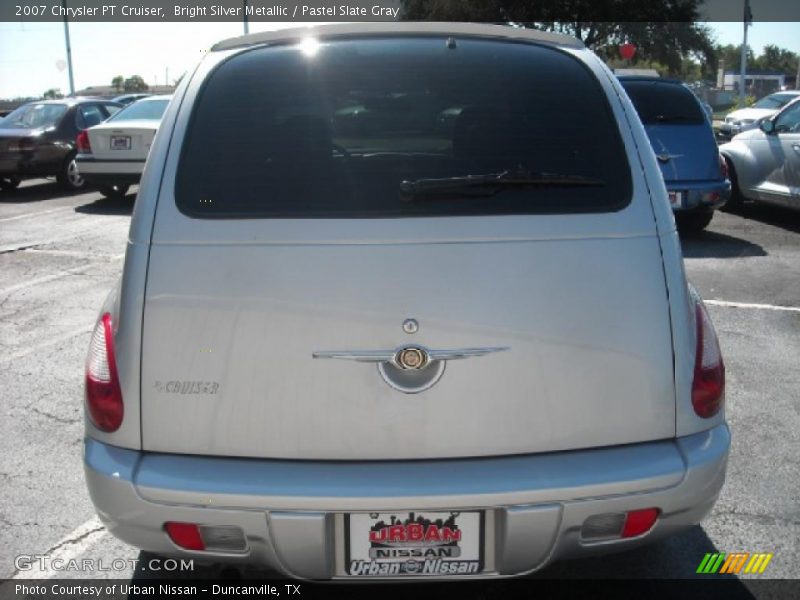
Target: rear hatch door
{"type": "Point", "coordinates": [285, 259]}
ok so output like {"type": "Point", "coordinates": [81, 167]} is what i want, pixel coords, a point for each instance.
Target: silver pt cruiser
{"type": "Point", "coordinates": [402, 300]}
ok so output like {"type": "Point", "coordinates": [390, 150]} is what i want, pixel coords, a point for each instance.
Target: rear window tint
{"type": "Point", "coordinates": [664, 103]}
{"type": "Point", "coordinates": [143, 109]}
{"type": "Point", "coordinates": [333, 131]}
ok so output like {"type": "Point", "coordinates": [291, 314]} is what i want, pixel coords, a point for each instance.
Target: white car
{"type": "Point", "coordinates": [747, 118]}
{"type": "Point", "coordinates": [111, 155]}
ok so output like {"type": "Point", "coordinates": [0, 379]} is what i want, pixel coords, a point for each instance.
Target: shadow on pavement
{"type": "Point", "coordinates": [108, 206]}
{"type": "Point", "coordinates": [46, 190]}
{"type": "Point", "coordinates": [710, 244]}
{"type": "Point", "coordinates": [776, 216]}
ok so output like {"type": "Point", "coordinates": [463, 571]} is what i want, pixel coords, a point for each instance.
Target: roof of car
{"type": "Point", "coordinates": [401, 27]}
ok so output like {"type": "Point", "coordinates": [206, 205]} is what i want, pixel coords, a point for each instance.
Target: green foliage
{"type": "Point", "coordinates": [777, 59]}
{"type": "Point", "coordinates": [118, 82]}
{"type": "Point", "coordinates": [663, 31]}
{"type": "Point", "coordinates": [135, 83]}
{"type": "Point", "coordinates": [748, 101]}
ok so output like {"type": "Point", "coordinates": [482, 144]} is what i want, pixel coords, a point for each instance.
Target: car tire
{"type": "Point", "coordinates": [736, 202]}
{"type": "Point", "coordinates": [9, 183]}
{"type": "Point", "coordinates": [694, 222]}
{"type": "Point", "coordinates": [69, 178]}
{"type": "Point", "coordinates": [114, 192]}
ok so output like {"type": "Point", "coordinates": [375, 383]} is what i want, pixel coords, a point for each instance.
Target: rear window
{"type": "Point", "coordinates": [775, 101]}
{"type": "Point", "coordinates": [337, 129]}
{"type": "Point", "coordinates": [143, 109]}
{"type": "Point", "coordinates": [33, 116]}
{"type": "Point", "coordinates": [658, 102]}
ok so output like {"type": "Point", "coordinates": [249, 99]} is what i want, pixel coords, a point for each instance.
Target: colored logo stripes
{"type": "Point", "coordinates": [734, 562]}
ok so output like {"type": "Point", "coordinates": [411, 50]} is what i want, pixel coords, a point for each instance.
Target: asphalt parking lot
{"type": "Point", "coordinates": [60, 254]}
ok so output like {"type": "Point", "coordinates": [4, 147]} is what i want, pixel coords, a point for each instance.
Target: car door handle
{"type": "Point", "coordinates": [796, 148]}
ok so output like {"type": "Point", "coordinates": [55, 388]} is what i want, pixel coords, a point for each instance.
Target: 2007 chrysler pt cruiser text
{"type": "Point", "coordinates": [388, 310]}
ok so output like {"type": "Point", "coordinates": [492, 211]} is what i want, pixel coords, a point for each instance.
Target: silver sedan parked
{"type": "Point", "coordinates": [764, 163]}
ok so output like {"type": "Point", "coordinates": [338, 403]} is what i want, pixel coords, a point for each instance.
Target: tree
{"type": "Point", "coordinates": [53, 94]}
{"type": "Point", "coordinates": [664, 31]}
{"type": "Point", "coordinates": [118, 83]}
{"type": "Point", "coordinates": [135, 83]}
{"type": "Point", "coordinates": [731, 57]}
{"type": "Point", "coordinates": [777, 59]}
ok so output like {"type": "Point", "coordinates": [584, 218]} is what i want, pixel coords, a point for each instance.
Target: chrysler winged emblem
{"type": "Point", "coordinates": [406, 357]}
{"type": "Point", "coordinates": [410, 368]}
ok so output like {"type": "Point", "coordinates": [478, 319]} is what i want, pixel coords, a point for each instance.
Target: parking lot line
{"type": "Point", "coordinates": [751, 305]}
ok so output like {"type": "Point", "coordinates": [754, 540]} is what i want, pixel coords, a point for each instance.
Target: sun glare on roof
{"type": "Point", "coordinates": [309, 46]}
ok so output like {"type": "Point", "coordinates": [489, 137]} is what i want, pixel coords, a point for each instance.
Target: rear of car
{"type": "Point", "coordinates": [683, 141]}
{"type": "Point", "coordinates": [745, 119]}
{"type": "Point", "coordinates": [378, 321]}
{"type": "Point", "coordinates": [112, 155]}
{"type": "Point", "coordinates": [38, 139]}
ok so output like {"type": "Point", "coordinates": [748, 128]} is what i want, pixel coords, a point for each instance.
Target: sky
{"type": "Point", "coordinates": [32, 54]}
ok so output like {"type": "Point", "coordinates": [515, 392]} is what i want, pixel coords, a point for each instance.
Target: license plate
{"type": "Point", "coordinates": [675, 199]}
{"type": "Point", "coordinates": [414, 543]}
{"type": "Point", "coordinates": [120, 142]}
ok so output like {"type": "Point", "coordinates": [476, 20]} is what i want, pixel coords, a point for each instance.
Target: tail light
{"type": "Point", "coordinates": [708, 386]}
{"type": "Point", "coordinates": [723, 167]}
{"type": "Point", "coordinates": [82, 141]}
{"type": "Point", "coordinates": [211, 538]}
{"type": "Point", "coordinates": [615, 526]}
{"type": "Point", "coordinates": [638, 522]}
{"type": "Point", "coordinates": [185, 535]}
{"type": "Point", "coordinates": [103, 394]}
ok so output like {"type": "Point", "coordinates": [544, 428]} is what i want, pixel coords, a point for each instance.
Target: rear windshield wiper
{"type": "Point", "coordinates": [488, 184]}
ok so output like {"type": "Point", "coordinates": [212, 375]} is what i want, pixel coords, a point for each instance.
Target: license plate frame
{"type": "Point", "coordinates": [401, 552]}
{"type": "Point", "coordinates": [120, 142]}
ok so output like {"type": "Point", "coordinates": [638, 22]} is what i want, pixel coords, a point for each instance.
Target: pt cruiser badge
{"type": "Point", "coordinates": [409, 369]}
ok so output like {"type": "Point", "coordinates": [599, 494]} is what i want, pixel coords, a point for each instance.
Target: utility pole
{"type": "Point", "coordinates": [246, 24]}
{"type": "Point", "coordinates": [69, 49]}
{"type": "Point", "coordinates": [747, 20]}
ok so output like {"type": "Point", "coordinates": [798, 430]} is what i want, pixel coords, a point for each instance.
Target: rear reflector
{"type": "Point", "coordinates": [638, 522]}
{"type": "Point", "coordinates": [185, 535]}
{"type": "Point", "coordinates": [210, 538]}
{"type": "Point", "coordinates": [616, 526]}
{"type": "Point", "coordinates": [708, 385]}
{"type": "Point", "coordinates": [103, 393]}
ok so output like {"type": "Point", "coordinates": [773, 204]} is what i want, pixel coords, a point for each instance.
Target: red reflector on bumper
{"type": "Point", "coordinates": [638, 522]}
{"type": "Point", "coordinates": [185, 535]}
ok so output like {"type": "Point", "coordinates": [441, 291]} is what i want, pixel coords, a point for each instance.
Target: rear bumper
{"type": "Point", "coordinates": [292, 511]}
{"type": "Point", "coordinates": [700, 196]}
{"type": "Point", "coordinates": [112, 171]}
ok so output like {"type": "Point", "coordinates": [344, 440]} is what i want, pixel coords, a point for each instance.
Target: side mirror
{"type": "Point", "coordinates": [767, 126]}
